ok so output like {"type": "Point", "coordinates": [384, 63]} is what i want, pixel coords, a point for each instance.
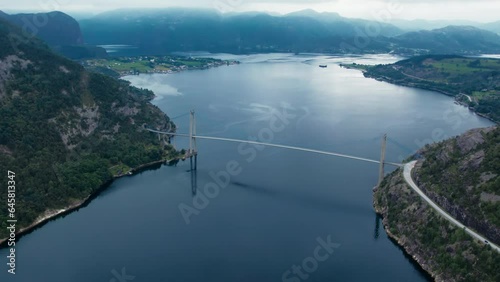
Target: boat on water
{"type": "Point", "coordinates": [323, 66]}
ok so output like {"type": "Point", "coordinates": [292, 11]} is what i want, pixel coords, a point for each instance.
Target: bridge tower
{"type": "Point", "coordinates": [193, 152]}
{"type": "Point", "coordinates": [382, 160]}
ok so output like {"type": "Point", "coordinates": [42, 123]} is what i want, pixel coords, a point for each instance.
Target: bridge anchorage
{"type": "Point", "coordinates": [192, 152]}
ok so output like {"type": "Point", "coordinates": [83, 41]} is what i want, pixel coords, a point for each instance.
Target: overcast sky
{"type": "Point", "coordinates": [474, 10]}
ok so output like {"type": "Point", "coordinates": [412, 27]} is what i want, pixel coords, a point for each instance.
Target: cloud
{"type": "Point", "coordinates": [478, 10]}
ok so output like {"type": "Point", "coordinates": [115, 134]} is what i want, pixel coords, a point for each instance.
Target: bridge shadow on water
{"type": "Point", "coordinates": [304, 200]}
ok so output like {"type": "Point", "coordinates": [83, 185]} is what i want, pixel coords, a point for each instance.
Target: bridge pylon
{"type": "Point", "coordinates": [193, 152]}
{"type": "Point", "coordinates": [382, 160]}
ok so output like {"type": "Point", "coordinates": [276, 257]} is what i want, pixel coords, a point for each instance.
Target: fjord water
{"type": "Point", "coordinates": [274, 212]}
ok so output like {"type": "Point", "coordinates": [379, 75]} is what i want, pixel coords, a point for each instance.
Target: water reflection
{"type": "Point", "coordinates": [194, 175]}
{"type": "Point", "coordinates": [194, 182]}
{"type": "Point", "coordinates": [377, 226]}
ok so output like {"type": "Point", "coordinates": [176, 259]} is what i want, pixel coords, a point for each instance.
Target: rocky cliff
{"type": "Point", "coordinates": [55, 28]}
{"type": "Point", "coordinates": [461, 175]}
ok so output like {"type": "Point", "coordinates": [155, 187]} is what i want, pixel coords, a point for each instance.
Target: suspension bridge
{"type": "Point", "coordinates": [192, 152]}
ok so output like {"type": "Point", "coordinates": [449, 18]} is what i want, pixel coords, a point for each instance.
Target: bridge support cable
{"type": "Point", "coordinates": [277, 146]}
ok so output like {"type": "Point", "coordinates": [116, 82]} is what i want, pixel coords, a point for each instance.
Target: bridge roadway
{"type": "Point", "coordinates": [276, 146]}
{"type": "Point", "coordinates": [406, 173]}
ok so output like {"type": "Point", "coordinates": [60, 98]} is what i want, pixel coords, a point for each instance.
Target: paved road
{"type": "Point", "coordinates": [407, 175]}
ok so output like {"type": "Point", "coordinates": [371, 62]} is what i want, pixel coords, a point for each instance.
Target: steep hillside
{"type": "Point", "coordinates": [64, 131]}
{"type": "Point", "coordinates": [55, 28]}
{"type": "Point", "coordinates": [462, 175]}
{"type": "Point", "coordinates": [59, 30]}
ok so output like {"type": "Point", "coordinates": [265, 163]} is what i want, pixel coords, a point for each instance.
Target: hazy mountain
{"type": "Point", "coordinates": [160, 31]}
{"type": "Point", "coordinates": [419, 24]}
{"type": "Point", "coordinates": [180, 29]}
{"type": "Point", "coordinates": [325, 16]}
{"type": "Point", "coordinates": [355, 25]}
{"type": "Point", "coordinates": [59, 30]}
{"type": "Point", "coordinates": [494, 26]}
{"type": "Point", "coordinates": [451, 39]}
{"type": "Point", "coordinates": [415, 25]}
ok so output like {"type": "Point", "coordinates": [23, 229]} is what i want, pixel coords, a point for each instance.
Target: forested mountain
{"type": "Point", "coordinates": [450, 39]}
{"type": "Point", "coordinates": [55, 28]}
{"type": "Point", "coordinates": [180, 29]}
{"type": "Point", "coordinates": [161, 31]}
{"type": "Point", "coordinates": [60, 31]}
{"type": "Point", "coordinates": [64, 132]}
{"type": "Point", "coordinates": [461, 175]}
{"type": "Point", "coordinates": [420, 24]}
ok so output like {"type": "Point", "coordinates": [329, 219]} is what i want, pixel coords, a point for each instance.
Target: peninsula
{"type": "Point", "coordinates": [474, 82]}
{"type": "Point", "coordinates": [121, 66]}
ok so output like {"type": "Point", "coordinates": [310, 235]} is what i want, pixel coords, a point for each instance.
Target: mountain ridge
{"type": "Point", "coordinates": [169, 30]}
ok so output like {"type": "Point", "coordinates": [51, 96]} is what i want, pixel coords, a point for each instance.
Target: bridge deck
{"type": "Point", "coordinates": [276, 146]}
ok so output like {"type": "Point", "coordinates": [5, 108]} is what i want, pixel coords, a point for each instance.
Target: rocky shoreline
{"type": "Point", "coordinates": [440, 249]}
{"type": "Point", "coordinates": [403, 244]}
{"type": "Point", "coordinates": [413, 85]}
{"type": "Point", "coordinates": [54, 214]}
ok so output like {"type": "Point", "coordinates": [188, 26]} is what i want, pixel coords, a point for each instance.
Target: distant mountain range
{"type": "Point", "coordinates": [450, 39]}
{"type": "Point", "coordinates": [162, 31]}
{"type": "Point", "coordinates": [179, 29]}
{"type": "Point", "coordinates": [415, 25]}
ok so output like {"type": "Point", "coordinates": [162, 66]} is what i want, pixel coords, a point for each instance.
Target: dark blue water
{"type": "Point", "coordinates": [279, 207]}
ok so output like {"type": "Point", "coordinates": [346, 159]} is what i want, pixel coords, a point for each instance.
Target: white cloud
{"type": "Point", "coordinates": [478, 10]}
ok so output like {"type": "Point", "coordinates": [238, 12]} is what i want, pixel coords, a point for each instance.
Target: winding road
{"type": "Point", "coordinates": [407, 176]}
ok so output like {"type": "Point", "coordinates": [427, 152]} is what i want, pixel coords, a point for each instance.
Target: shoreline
{"type": "Point", "coordinates": [418, 261]}
{"type": "Point", "coordinates": [411, 85]}
{"type": "Point", "coordinates": [125, 73]}
{"type": "Point", "coordinates": [49, 215]}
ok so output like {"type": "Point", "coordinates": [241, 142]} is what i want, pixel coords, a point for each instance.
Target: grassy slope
{"type": "Point", "coordinates": [452, 75]}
